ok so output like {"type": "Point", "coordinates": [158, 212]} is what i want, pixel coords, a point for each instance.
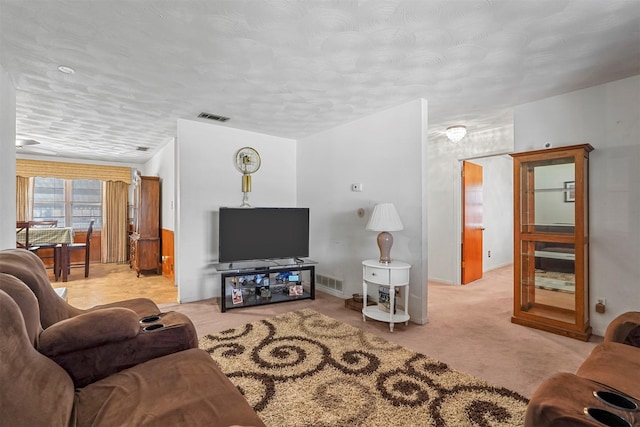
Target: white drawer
{"type": "Point", "coordinates": [377, 275]}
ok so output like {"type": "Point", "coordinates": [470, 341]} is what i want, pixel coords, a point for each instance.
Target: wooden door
{"type": "Point", "coordinates": [472, 225]}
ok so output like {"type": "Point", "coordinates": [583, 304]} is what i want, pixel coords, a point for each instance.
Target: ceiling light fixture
{"type": "Point", "coordinates": [25, 142]}
{"type": "Point", "coordinates": [29, 146]}
{"type": "Point", "coordinates": [66, 69]}
{"type": "Point", "coordinates": [456, 133]}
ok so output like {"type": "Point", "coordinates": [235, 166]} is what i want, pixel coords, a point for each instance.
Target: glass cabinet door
{"type": "Point", "coordinates": [548, 238]}
{"type": "Point", "coordinates": [551, 223]}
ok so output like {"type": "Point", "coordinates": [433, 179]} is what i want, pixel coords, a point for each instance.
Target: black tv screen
{"type": "Point", "coordinates": [263, 233]}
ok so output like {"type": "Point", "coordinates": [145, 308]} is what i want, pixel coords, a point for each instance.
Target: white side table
{"type": "Point", "coordinates": [394, 275]}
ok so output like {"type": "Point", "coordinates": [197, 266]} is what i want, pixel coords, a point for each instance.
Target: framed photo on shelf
{"type": "Point", "coordinates": [569, 191]}
{"type": "Point", "coordinates": [236, 295]}
{"type": "Point", "coordinates": [295, 290]}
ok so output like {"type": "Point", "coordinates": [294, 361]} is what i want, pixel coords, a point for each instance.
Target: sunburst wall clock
{"type": "Point", "coordinates": [247, 161]}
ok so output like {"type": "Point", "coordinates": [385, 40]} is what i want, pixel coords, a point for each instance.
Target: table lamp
{"type": "Point", "coordinates": [384, 218]}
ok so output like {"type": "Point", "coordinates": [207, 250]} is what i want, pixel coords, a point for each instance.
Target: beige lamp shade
{"type": "Point", "coordinates": [385, 218]}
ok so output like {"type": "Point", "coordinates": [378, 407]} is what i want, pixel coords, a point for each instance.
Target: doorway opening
{"type": "Point", "coordinates": [488, 226]}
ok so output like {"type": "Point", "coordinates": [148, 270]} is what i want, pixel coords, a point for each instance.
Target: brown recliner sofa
{"type": "Point", "coordinates": [29, 268]}
{"type": "Point", "coordinates": [92, 344]}
{"type": "Point", "coordinates": [605, 391]}
{"type": "Point", "coordinates": [180, 389]}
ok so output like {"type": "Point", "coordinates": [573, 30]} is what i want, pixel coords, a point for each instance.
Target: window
{"type": "Point", "coordinates": [73, 202]}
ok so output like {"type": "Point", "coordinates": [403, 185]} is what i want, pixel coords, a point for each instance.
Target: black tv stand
{"type": "Point", "coordinates": [260, 282]}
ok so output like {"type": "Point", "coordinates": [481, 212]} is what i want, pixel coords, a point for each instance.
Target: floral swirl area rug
{"type": "Point", "coordinates": [306, 369]}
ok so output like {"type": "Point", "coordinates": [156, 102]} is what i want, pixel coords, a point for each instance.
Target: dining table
{"type": "Point", "coordinates": [62, 236]}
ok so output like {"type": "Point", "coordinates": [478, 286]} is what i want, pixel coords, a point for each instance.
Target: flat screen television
{"type": "Point", "coordinates": [262, 233]}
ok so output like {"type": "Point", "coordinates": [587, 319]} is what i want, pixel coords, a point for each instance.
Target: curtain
{"type": "Point", "coordinates": [24, 198]}
{"type": "Point", "coordinates": [113, 236]}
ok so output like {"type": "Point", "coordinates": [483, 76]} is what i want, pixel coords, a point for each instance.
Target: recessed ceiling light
{"type": "Point", "coordinates": [66, 70]}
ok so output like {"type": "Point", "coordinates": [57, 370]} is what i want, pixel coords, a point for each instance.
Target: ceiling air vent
{"type": "Point", "coordinates": [142, 148]}
{"type": "Point", "coordinates": [213, 117]}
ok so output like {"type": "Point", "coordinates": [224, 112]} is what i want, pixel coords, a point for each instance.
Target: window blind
{"type": "Point", "coordinates": [31, 168]}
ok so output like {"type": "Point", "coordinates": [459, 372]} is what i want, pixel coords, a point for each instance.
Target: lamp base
{"type": "Point", "coordinates": [385, 241]}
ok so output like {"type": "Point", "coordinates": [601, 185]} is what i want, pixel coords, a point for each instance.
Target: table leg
{"type": "Point", "coordinates": [406, 302]}
{"type": "Point", "coordinates": [364, 300]}
{"type": "Point", "coordinates": [64, 261]}
{"type": "Point", "coordinates": [56, 263]}
{"type": "Point", "coordinates": [223, 293]}
{"type": "Point", "coordinates": [392, 306]}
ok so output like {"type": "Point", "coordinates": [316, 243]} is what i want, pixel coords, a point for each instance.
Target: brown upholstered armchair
{"type": "Point", "coordinates": [605, 390]}
{"type": "Point", "coordinates": [184, 388]}
{"type": "Point", "coordinates": [29, 268]}
{"type": "Point", "coordinates": [624, 329]}
{"type": "Point", "coordinates": [92, 344]}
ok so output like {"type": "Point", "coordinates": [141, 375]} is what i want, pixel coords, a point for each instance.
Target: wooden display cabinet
{"type": "Point", "coordinates": [144, 241]}
{"type": "Point", "coordinates": [551, 240]}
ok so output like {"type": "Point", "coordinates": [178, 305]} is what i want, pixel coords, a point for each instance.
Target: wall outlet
{"type": "Point", "coordinates": [356, 187]}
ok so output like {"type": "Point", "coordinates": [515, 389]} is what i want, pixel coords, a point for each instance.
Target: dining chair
{"type": "Point", "coordinates": [75, 247]}
{"type": "Point", "coordinates": [49, 249]}
{"type": "Point", "coordinates": [22, 226]}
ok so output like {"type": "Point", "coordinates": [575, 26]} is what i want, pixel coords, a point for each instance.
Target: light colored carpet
{"type": "Point", "coordinates": [303, 368]}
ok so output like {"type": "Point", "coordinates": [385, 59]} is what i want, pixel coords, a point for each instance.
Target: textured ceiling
{"type": "Point", "coordinates": [294, 68]}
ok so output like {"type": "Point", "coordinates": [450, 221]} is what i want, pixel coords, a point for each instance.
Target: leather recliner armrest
{"type": "Point", "coordinates": [624, 329]}
{"type": "Point", "coordinates": [91, 329]}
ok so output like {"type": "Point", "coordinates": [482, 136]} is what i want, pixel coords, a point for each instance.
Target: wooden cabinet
{"type": "Point", "coordinates": [144, 241]}
{"type": "Point", "coordinates": [551, 240]}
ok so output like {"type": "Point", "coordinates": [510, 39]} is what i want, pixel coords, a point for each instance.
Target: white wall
{"type": "Point", "coordinates": [206, 180]}
{"type": "Point", "coordinates": [7, 161]}
{"type": "Point", "coordinates": [444, 194]}
{"type": "Point", "coordinates": [497, 215]}
{"type": "Point", "coordinates": [163, 164]}
{"type": "Point", "coordinates": [386, 153]}
{"type": "Point", "coordinates": [607, 117]}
